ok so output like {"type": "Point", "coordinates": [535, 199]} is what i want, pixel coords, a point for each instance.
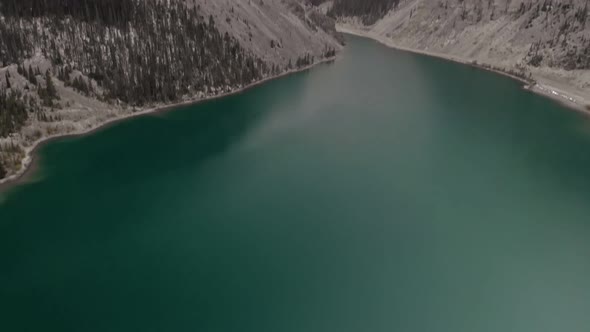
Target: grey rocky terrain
{"type": "Point", "coordinates": [548, 40]}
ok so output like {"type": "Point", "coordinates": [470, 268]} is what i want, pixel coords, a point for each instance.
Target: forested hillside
{"type": "Point", "coordinates": [137, 52]}
{"type": "Point", "coordinates": [63, 60]}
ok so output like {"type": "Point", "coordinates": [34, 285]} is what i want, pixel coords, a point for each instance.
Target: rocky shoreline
{"type": "Point", "coordinates": [531, 82]}
{"type": "Point", "coordinates": [28, 162]}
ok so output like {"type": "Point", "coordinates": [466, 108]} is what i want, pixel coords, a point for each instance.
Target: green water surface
{"type": "Point", "coordinates": [384, 192]}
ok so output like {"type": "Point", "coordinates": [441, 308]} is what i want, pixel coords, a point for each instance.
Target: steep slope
{"type": "Point", "coordinates": [548, 40]}
{"type": "Point", "coordinates": [67, 66]}
{"type": "Point", "coordinates": [278, 31]}
{"type": "Point", "coordinates": [368, 11]}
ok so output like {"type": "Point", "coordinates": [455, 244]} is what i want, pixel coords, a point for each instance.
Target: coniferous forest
{"type": "Point", "coordinates": [368, 10]}
{"type": "Point", "coordinates": [69, 65]}
{"type": "Point", "coordinates": [123, 52]}
{"type": "Point", "coordinates": [135, 51]}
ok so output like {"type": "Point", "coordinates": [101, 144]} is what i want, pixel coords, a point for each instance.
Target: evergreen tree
{"type": "Point", "coordinates": [2, 170]}
{"type": "Point", "coordinates": [13, 112]}
{"type": "Point", "coordinates": [49, 86]}
{"type": "Point", "coordinates": [31, 76]}
{"type": "Point", "coordinates": [368, 10]}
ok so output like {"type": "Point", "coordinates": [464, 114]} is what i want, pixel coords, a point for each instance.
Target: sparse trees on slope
{"type": "Point", "coordinates": [368, 10]}
{"type": "Point", "coordinates": [13, 112]}
{"type": "Point", "coordinates": [137, 51]}
{"type": "Point", "coordinates": [2, 170]}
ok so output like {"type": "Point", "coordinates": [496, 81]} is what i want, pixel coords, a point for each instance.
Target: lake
{"type": "Point", "coordinates": [386, 191]}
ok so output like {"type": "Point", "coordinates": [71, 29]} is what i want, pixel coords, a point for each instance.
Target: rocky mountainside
{"type": "Point", "coordinates": [546, 39]}
{"type": "Point", "coordinates": [368, 11]}
{"type": "Point", "coordinates": [277, 31]}
{"type": "Point", "coordinates": [67, 66]}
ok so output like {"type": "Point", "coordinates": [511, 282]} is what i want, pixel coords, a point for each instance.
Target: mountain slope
{"type": "Point", "coordinates": [278, 30]}
{"type": "Point", "coordinates": [549, 40]}
{"type": "Point", "coordinates": [67, 66]}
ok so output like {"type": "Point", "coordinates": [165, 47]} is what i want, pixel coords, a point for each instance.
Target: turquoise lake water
{"type": "Point", "coordinates": [384, 192]}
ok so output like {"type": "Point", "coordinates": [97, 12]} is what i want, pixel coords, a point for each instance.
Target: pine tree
{"type": "Point", "coordinates": [13, 112]}
{"type": "Point", "coordinates": [67, 74]}
{"type": "Point", "coordinates": [2, 170]}
{"type": "Point", "coordinates": [31, 76]}
{"type": "Point", "coordinates": [49, 86]}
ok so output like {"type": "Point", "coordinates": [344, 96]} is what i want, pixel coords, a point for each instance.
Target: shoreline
{"type": "Point", "coordinates": [29, 164]}
{"type": "Point", "coordinates": [566, 99]}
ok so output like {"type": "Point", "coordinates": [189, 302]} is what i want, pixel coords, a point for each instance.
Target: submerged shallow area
{"type": "Point", "coordinates": [385, 192]}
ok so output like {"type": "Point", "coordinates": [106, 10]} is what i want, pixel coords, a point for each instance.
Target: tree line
{"type": "Point", "coordinates": [369, 11]}
{"type": "Point", "coordinates": [129, 52]}
{"type": "Point", "coordinates": [135, 51]}
{"type": "Point", "coordinates": [125, 52]}
{"type": "Point", "coordinates": [13, 111]}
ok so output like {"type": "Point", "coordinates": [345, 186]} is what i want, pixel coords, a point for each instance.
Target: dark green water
{"type": "Point", "coordinates": [384, 192]}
